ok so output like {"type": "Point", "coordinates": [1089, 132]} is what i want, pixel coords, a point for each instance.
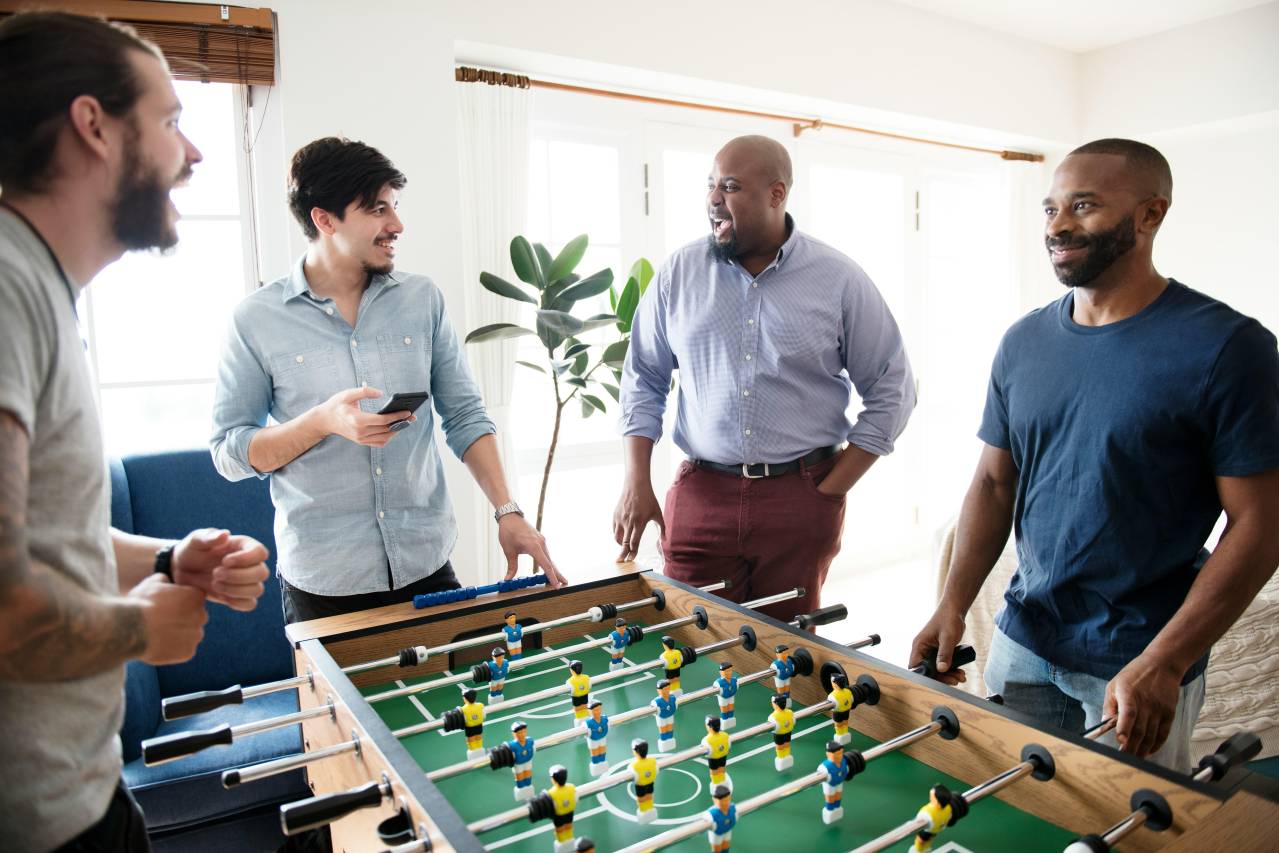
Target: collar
{"type": "Point", "coordinates": [296, 285]}
{"type": "Point", "coordinates": [785, 251]}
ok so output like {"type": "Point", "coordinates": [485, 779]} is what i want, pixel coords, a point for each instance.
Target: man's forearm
{"type": "Point", "coordinates": [274, 447]}
{"type": "Point", "coordinates": [55, 630]}
{"type": "Point", "coordinates": [638, 453]}
{"type": "Point", "coordinates": [984, 523]}
{"type": "Point", "coordinates": [485, 465]}
{"type": "Point", "coordinates": [853, 464]}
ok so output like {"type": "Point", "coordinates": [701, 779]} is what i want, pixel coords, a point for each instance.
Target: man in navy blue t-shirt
{"type": "Point", "coordinates": [1120, 421]}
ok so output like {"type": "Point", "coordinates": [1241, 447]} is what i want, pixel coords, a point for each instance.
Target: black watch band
{"type": "Point", "coordinates": [164, 560]}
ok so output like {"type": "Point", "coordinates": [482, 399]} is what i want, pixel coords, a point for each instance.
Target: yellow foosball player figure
{"type": "Point", "coordinates": [723, 817]}
{"type": "Point", "coordinates": [783, 720]}
{"type": "Point", "coordinates": [717, 744]}
{"type": "Point", "coordinates": [564, 801]}
{"type": "Point", "coordinates": [645, 770]}
{"type": "Point", "coordinates": [473, 720]}
{"type": "Point", "coordinates": [673, 660]}
{"type": "Point", "coordinates": [579, 686]}
{"type": "Point", "coordinates": [939, 813]}
{"type": "Point", "coordinates": [842, 697]}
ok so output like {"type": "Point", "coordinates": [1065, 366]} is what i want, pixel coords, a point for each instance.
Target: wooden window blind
{"type": "Point", "coordinates": [202, 41]}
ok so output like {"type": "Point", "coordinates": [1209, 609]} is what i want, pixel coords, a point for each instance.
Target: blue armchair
{"type": "Point", "coordinates": [187, 809]}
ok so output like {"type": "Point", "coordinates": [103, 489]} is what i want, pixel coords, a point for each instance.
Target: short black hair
{"type": "Point", "coordinates": [721, 791]}
{"type": "Point", "coordinates": [713, 722]}
{"type": "Point", "coordinates": [1142, 157]}
{"type": "Point", "coordinates": [333, 172]}
{"type": "Point", "coordinates": [469, 694]}
{"type": "Point", "coordinates": [498, 652]}
{"type": "Point", "coordinates": [639, 746]}
{"type": "Point", "coordinates": [559, 773]}
{"type": "Point", "coordinates": [576, 667]}
{"type": "Point", "coordinates": [47, 60]}
{"type": "Point", "coordinates": [518, 726]}
{"type": "Point", "coordinates": [779, 700]}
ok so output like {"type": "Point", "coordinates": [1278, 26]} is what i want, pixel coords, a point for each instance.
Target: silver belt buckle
{"type": "Point", "coordinates": [746, 471]}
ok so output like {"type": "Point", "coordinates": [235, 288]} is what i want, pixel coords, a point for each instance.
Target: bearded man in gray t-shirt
{"type": "Point", "coordinates": [89, 150]}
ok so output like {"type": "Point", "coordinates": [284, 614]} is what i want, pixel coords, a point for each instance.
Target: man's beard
{"type": "Point", "coordinates": [140, 212]}
{"type": "Point", "coordinates": [723, 251]}
{"type": "Point", "coordinates": [1103, 250]}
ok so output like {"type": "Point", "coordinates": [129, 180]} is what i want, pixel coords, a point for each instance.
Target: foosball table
{"type": "Point", "coordinates": [638, 713]}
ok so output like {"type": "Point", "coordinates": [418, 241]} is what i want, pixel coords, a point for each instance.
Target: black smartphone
{"type": "Point", "coordinates": [403, 402]}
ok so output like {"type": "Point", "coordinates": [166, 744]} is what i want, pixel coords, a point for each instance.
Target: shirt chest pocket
{"type": "Point", "coordinates": [406, 361]}
{"type": "Point", "coordinates": [305, 377]}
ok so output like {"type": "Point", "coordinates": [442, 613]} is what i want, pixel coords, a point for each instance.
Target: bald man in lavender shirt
{"type": "Point", "coordinates": [771, 331]}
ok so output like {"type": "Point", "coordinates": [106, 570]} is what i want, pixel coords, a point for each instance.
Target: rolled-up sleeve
{"type": "Point", "coordinates": [646, 373]}
{"type": "Point", "coordinates": [875, 357]}
{"type": "Point", "coordinates": [241, 403]}
{"type": "Point", "coordinates": [463, 417]}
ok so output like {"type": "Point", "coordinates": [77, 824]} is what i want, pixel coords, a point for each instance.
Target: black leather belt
{"type": "Point", "coordinates": [755, 471]}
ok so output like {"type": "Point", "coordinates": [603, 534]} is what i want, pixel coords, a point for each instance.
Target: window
{"type": "Point", "coordinates": [155, 322]}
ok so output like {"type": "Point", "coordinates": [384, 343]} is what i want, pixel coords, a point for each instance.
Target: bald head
{"type": "Point", "coordinates": [1145, 170]}
{"type": "Point", "coordinates": [765, 156]}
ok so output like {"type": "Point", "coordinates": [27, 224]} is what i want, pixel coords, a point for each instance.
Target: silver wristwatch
{"type": "Point", "coordinates": [506, 509]}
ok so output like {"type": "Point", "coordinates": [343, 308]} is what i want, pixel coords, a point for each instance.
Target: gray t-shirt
{"type": "Point", "coordinates": [60, 748]}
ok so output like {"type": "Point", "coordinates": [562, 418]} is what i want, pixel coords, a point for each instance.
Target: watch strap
{"type": "Point", "coordinates": [506, 509]}
{"type": "Point", "coordinates": [164, 560]}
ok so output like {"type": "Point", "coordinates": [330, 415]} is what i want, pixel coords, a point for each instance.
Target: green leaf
{"type": "Point", "coordinates": [575, 349]}
{"type": "Point", "coordinates": [642, 271]}
{"type": "Point", "coordinates": [543, 263]}
{"type": "Point", "coordinates": [568, 258]}
{"type": "Point", "coordinates": [532, 366]}
{"type": "Point", "coordinates": [612, 298]}
{"type": "Point", "coordinates": [592, 285]}
{"type": "Point", "coordinates": [502, 287]}
{"type": "Point", "coordinates": [576, 381]}
{"type": "Point", "coordinates": [497, 332]}
{"type": "Point", "coordinates": [615, 353]}
{"type": "Point", "coordinates": [579, 365]}
{"type": "Point", "coordinates": [593, 402]}
{"type": "Point", "coordinates": [613, 391]}
{"type": "Point", "coordinates": [587, 408]}
{"type": "Point", "coordinates": [551, 339]}
{"type": "Point", "coordinates": [525, 263]}
{"type": "Point", "coordinates": [626, 304]}
{"type": "Point", "coordinates": [559, 321]}
{"type": "Point", "coordinates": [598, 321]}
{"type": "Point", "coordinates": [551, 296]}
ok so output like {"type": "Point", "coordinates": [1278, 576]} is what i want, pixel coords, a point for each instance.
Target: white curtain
{"type": "Point", "coordinates": [493, 151]}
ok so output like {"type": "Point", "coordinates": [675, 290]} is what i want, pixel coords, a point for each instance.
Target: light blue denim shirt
{"type": "Point", "coordinates": [767, 364]}
{"type": "Point", "coordinates": [349, 518]}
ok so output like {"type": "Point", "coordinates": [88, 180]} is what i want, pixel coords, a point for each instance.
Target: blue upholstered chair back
{"type": "Point", "coordinates": [170, 494]}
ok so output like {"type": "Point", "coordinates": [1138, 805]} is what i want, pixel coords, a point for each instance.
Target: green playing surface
{"type": "Point", "coordinates": [888, 793]}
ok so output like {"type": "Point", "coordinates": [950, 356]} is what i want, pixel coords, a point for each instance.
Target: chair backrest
{"type": "Point", "coordinates": [170, 494]}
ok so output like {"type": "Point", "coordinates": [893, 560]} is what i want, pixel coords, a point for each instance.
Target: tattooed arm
{"type": "Point", "coordinates": [52, 629]}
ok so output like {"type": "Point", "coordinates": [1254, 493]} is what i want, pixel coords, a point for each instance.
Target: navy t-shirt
{"type": "Point", "coordinates": [1117, 432]}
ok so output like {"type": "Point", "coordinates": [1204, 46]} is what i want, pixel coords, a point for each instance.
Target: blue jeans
{"type": "Point", "coordinates": [1073, 700]}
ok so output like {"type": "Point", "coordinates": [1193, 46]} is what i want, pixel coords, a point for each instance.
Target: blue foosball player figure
{"type": "Point", "coordinates": [619, 639]}
{"type": "Point", "coordinates": [726, 684]}
{"type": "Point", "coordinates": [723, 817]}
{"type": "Point", "coordinates": [523, 747]}
{"type": "Point", "coordinates": [514, 636]}
{"type": "Point", "coordinates": [837, 769]}
{"type": "Point", "coordinates": [665, 704]}
{"type": "Point", "coordinates": [499, 667]}
{"type": "Point", "coordinates": [783, 669]}
{"type": "Point", "coordinates": [597, 738]}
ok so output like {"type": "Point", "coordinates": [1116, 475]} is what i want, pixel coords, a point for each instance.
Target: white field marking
{"type": "Point", "coordinates": [416, 704]}
{"type": "Point", "coordinates": [565, 701]}
{"type": "Point", "coordinates": [542, 828]}
{"type": "Point", "coordinates": [952, 847]}
{"type": "Point", "coordinates": [629, 789]}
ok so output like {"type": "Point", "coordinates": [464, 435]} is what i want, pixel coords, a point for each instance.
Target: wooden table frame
{"type": "Point", "coordinates": [1090, 791]}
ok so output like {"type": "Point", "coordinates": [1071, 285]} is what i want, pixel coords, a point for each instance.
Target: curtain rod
{"type": "Point", "coordinates": [799, 124]}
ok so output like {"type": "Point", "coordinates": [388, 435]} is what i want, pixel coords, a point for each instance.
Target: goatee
{"type": "Point", "coordinates": [725, 251]}
{"type": "Point", "coordinates": [1103, 250]}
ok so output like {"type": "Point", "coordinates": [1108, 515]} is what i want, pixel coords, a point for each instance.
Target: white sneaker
{"type": "Point", "coordinates": [646, 817]}
{"type": "Point", "coordinates": [783, 763]}
{"type": "Point", "coordinates": [844, 738]}
{"type": "Point", "coordinates": [599, 769]}
{"type": "Point", "coordinates": [829, 816]}
{"type": "Point", "coordinates": [728, 723]}
{"type": "Point", "coordinates": [472, 754]}
{"type": "Point", "coordinates": [523, 794]}
{"type": "Point", "coordinates": [666, 745]}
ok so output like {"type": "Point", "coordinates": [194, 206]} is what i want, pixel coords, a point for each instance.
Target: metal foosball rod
{"type": "Point", "coordinates": [946, 808]}
{"type": "Point", "coordinates": [190, 704]}
{"type": "Point", "coordinates": [944, 723]}
{"type": "Point", "coordinates": [1152, 811]}
{"type": "Point", "coordinates": [232, 778]}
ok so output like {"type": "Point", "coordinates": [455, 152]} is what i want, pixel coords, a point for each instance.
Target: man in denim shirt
{"type": "Point", "coordinates": [363, 517]}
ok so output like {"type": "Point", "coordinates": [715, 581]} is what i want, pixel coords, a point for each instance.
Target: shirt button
{"type": "Point", "coordinates": [381, 514]}
{"type": "Point", "coordinates": [364, 383]}
{"type": "Point", "coordinates": [379, 472]}
{"type": "Point", "coordinates": [407, 341]}
{"type": "Point", "coordinates": [754, 284]}
{"type": "Point", "coordinates": [299, 359]}
{"type": "Point", "coordinates": [746, 393]}
{"type": "Point", "coordinates": [748, 356]}
{"type": "Point", "coordinates": [750, 322]}
{"type": "Point", "coordinates": [354, 342]}
{"type": "Point", "coordinates": [329, 310]}
{"type": "Point", "coordinates": [748, 430]}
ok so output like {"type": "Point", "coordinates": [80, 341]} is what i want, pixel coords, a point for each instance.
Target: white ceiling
{"type": "Point", "coordinates": [1082, 25]}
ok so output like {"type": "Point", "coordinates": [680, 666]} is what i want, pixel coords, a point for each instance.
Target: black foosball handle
{"type": "Point", "coordinates": [314, 812]}
{"type": "Point", "coordinates": [1235, 750]}
{"type": "Point", "coordinates": [961, 656]}
{"type": "Point", "coordinates": [824, 616]}
{"type": "Point", "coordinates": [158, 750]}
{"type": "Point", "coordinates": [177, 707]}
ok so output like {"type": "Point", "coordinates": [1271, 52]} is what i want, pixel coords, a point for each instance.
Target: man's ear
{"type": "Point", "coordinates": [1153, 213]}
{"type": "Point", "coordinates": [323, 220]}
{"type": "Point", "coordinates": [777, 194]}
{"type": "Point", "coordinates": [87, 121]}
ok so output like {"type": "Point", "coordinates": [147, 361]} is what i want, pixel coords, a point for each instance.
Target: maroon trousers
{"type": "Point", "coordinates": [766, 536]}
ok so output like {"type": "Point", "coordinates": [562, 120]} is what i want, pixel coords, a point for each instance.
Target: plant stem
{"type": "Point", "coordinates": [550, 453]}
